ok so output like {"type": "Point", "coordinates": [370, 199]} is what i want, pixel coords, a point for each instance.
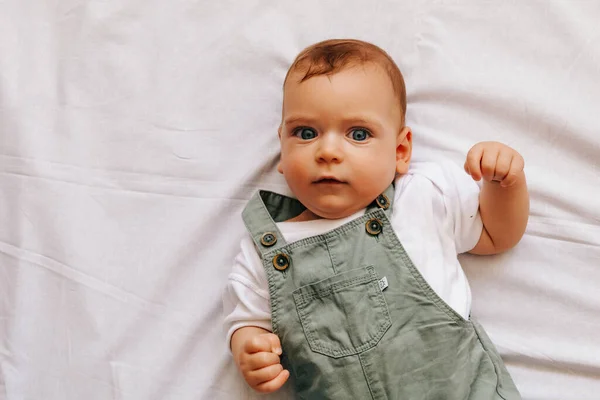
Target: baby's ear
{"type": "Point", "coordinates": [403, 150]}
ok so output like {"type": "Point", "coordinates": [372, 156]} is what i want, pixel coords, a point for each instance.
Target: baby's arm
{"type": "Point", "coordinates": [504, 200]}
{"type": "Point", "coordinates": [256, 352]}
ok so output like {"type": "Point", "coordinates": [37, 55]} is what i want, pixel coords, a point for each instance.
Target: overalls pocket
{"type": "Point", "coordinates": [345, 314]}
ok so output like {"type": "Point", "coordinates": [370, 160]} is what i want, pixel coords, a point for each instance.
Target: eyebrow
{"type": "Point", "coordinates": [292, 120]}
{"type": "Point", "coordinates": [352, 119]}
{"type": "Point", "coordinates": [364, 121]}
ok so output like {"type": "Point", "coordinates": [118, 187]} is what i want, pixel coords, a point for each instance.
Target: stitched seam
{"type": "Point", "coordinates": [334, 288]}
{"type": "Point", "coordinates": [370, 275]}
{"type": "Point", "coordinates": [306, 321]}
{"type": "Point", "coordinates": [362, 365]}
{"type": "Point", "coordinates": [331, 256]}
{"type": "Point", "coordinates": [273, 298]}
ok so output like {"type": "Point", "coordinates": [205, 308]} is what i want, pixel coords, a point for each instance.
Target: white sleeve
{"type": "Point", "coordinates": [461, 195]}
{"type": "Point", "coordinates": [246, 297]}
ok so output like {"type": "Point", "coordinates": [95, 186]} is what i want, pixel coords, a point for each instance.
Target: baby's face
{"type": "Point", "coordinates": [339, 139]}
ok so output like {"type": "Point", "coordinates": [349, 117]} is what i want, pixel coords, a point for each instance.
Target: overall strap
{"type": "Point", "coordinates": [262, 213]}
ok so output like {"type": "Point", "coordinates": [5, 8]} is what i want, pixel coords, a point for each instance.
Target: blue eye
{"type": "Point", "coordinates": [360, 135]}
{"type": "Point", "coordinates": [306, 133]}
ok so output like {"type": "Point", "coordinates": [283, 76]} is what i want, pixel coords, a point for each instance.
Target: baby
{"type": "Point", "coordinates": [354, 289]}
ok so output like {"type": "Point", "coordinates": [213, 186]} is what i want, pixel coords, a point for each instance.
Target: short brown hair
{"type": "Point", "coordinates": [334, 55]}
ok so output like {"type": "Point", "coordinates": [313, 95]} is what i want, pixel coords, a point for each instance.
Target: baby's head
{"type": "Point", "coordinates": [343, 138]}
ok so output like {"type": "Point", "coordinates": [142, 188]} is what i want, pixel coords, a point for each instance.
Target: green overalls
{"type": "Point", "coordinates": [356, 319]}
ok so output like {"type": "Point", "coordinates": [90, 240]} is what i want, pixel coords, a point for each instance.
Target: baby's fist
{"type": "Point", "coordinates": [494, 162]}
{"type": "Point", "coordinates": [260, 363]}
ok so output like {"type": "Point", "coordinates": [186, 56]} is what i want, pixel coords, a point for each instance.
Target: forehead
{"type": "Point", "coordinates": [363, 88]}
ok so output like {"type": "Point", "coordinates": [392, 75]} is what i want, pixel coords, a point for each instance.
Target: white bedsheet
{"type": "Point", "coordinates": [132, 132]}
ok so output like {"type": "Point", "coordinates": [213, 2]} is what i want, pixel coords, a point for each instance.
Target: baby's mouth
{"type": "Point", "coordinates": [329, 181]}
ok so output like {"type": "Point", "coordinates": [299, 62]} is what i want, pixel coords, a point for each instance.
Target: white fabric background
{"type": "Point", "coordinates": [132, 132]}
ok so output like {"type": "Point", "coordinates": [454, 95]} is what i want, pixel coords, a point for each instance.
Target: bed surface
{"type": "Point", "coordinates": [132, 133]}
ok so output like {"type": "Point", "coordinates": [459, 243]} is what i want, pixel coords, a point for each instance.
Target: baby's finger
{"type": "Point", "coordinates": [260, 360]}
{"type": "Point", "coordinates": [488, 163]}
{"type": "Point", "coordinates": [274, 384]}
{"type": "Point", "coordinates": [473, 162]}
{"type": "Point", "coordinates": [503, 165]}
{"type": "Point", "coordinates": [275, 343]}
{"type": "Point", "coordinates": [258, 343]}
{"type": "Point", "coordinates": [516, 167]}
{"type": "Point", "coordinates": [266, 374]}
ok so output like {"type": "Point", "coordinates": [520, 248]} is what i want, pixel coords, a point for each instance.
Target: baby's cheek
{"type": "Point", "coordinates": [384, 166]}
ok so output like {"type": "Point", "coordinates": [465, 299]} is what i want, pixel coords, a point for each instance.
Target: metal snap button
{"type": "Point", "coordinates": [373, 226]}
{"type": "Point", "coordinates": [281, 262]}
{"type": "Point", "coordinates": [382, 201]}
{"type": "Point", "coordinates": [268, 239]}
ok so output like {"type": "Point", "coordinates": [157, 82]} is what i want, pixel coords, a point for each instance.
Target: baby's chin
{"type": "Point", "coordinates": [334, 206]}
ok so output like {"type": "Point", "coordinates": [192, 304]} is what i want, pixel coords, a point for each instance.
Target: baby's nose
{"type": "Point", "coordinates": [330, 149]}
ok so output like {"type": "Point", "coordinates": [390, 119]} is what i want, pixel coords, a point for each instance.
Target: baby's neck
{"type": "Point", "coordinates": [305, 215]}
{"type": "Point", "coordinates": [308, 215]}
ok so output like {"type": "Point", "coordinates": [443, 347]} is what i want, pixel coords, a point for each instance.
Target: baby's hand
{"type": "Point", "coordinates": [260, 365]}
{"type": "Point", "coordinates": [494, 162]}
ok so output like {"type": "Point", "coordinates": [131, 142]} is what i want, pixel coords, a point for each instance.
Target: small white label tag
{"type": "Point", "coordinates": [383, 283]}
